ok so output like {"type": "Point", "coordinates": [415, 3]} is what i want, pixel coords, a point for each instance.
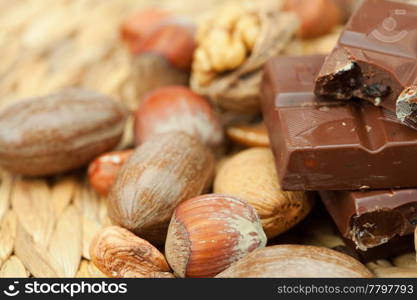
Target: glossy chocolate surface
{"type": "Point", "coordinates": [331, 145]}
{"type": "Point", "coordinates": [373, 218]}
{"type": "Point", "coordinates": [375, 58]}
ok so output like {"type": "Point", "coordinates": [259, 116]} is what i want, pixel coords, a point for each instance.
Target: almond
{"type": "Point", "coordinates": [58, 132]}
{"type": "Point", "coordinates": [210, 232]}
{"type": "Point", "coordinates": [296, 261]}
{"type": "Point", "coordinates": [174, 108]}
{"type": "Point", "coordinates": [117, 252]}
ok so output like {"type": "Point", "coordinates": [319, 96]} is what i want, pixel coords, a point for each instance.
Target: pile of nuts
{"type": "Point", "coordinates": [177, 211]}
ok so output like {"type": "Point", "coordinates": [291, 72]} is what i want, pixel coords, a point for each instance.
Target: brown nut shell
{"type": "Point", "coordinates": [210, 232]}
{"type": "Point", "coordinates": [58, 132]}
{"type": "Point", "coordinates": [296, 261]}
{"type": "Point", "coordinates": [250, 135]}
{"type": "Point", "coordinates": [251, 176]}
{"type": "Point", "coordinates": [102, 172]}
{"type": "Point", "coordinates": [164, 171]}
{"type": "Point", "coordinates": [317, 17]}
{"type": "Point", "coordinates": [117, 252]}
{"type": "Point", "coordinates": [177, 108]}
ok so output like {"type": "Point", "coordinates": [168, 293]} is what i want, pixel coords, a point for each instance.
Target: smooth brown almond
{"type": "Point", "coordinates": [161, 173]}
{"type": "Point", "coordinates": [296, 261]}
{"type": "Point", "coordinates": [58, 132]}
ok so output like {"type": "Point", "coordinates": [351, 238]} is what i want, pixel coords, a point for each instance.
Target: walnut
{"type": "Point", "coordinates": [224, 42]}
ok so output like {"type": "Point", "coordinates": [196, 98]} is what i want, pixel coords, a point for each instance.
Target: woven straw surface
{"type": "Point", "coordinates": [46, 225]}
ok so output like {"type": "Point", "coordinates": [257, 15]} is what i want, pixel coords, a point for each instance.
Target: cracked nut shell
{"type": "Point", "coordinates": [103, 171]}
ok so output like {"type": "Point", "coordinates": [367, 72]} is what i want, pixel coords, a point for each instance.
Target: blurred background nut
{"type": "Point", "coordinates": [296, 261]}
{"type": "Point", "coordinates": [119, 253]}
{"type": "Point", "coordinates": [140, 24]}
{"type": "Point", "coordinates": [103, 170]}
{"type": "Point", "coordinates": [163, 57]}
{"type": "Point", "coordinates": [249, 135]}
{"type": "Point", "coordinates": [52, 134]}
{"type": "Point", "coordinates": [210, 232]}
{"type": "Point", "coordinates": [317, 17]}
{"type": "Point", "coordinates": [164, 171]}
{"type": "Point", "coordinates": [251, 176]}
{"type": "Point", "coordinates": [177, 108]}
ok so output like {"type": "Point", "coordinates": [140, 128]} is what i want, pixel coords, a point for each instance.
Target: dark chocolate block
{"type": "Point", "coordinates": [333, 145]}
{"type": "Point", "coordinates": [373, 218]}
{"type": "Point", "coordinates": [376, 59]}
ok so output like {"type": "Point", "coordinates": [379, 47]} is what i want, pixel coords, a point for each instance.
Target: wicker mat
{"type": "Point", "coordinates": [46, 225]}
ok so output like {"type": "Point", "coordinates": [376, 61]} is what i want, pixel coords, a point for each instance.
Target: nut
{"type": "Point", "coordinates": [164, 58]}
{"type": "Point", "coordinates": [252, 135]}
{"type": "Point", "coordinates": [317, 17]}
{"type": "Point", "coordinates": [177, 108]}
{"type": "Point", "coordinates": [224, 42]}
{"type": "Point", "coordinates": [58, 132]}
{"type": "Point", "coordinates": [296, 261]}
{"type": "Point", "coordinates": [251, 176]}
{"type": "Point", "coordinates": [162, 172]}
{"type": "Point", "coordinates": [141, 24]}
{"type": "Point", "coordinates": [117, 252]}
{"type": "Point", "coordinates": [174, 42]}
{"type": "Point", "coordinates": [103, 170]}
{"type": "Point", "coordinates": [210, 232]}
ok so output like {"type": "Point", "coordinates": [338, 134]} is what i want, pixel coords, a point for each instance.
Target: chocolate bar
{"type": "Point", "coordinates": [376, 59]}
{"type": "Point", "coordinates": [331, 145]}
{"type": "Point", "coordinates": [368, 220]}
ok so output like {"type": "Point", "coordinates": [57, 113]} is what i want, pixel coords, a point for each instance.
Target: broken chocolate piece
{"type": "Point", "coordinates": [375, 58]}
{"type": "Point", "coordinates": [331, 145]}
{"type": "Point", "coordinates": [373, 218]}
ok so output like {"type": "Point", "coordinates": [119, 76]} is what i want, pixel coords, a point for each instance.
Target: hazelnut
{"type": "Point", "coordinates": [210, 232]}
{"type": "Point", "coordinates": [251, 135]}
{"type": "Point", "coordinates": [296, 261]}
{"type": "Point", "coordinates": [164, 171]}
{"type": "Point", "coordinates": [117, 252]}
{"type": "Point", "coordinates": [164, 58]}
{"type": "Point", "coordinates": [317, 17]}
{"type": "Point", "coordinates": [103, 170]}
{"type": "Point", "coordinates": [251, 176]}
{"type": "Point", "coordinates": [141, 24]}
{"type": "Point", "coordinates": [174, 108]}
